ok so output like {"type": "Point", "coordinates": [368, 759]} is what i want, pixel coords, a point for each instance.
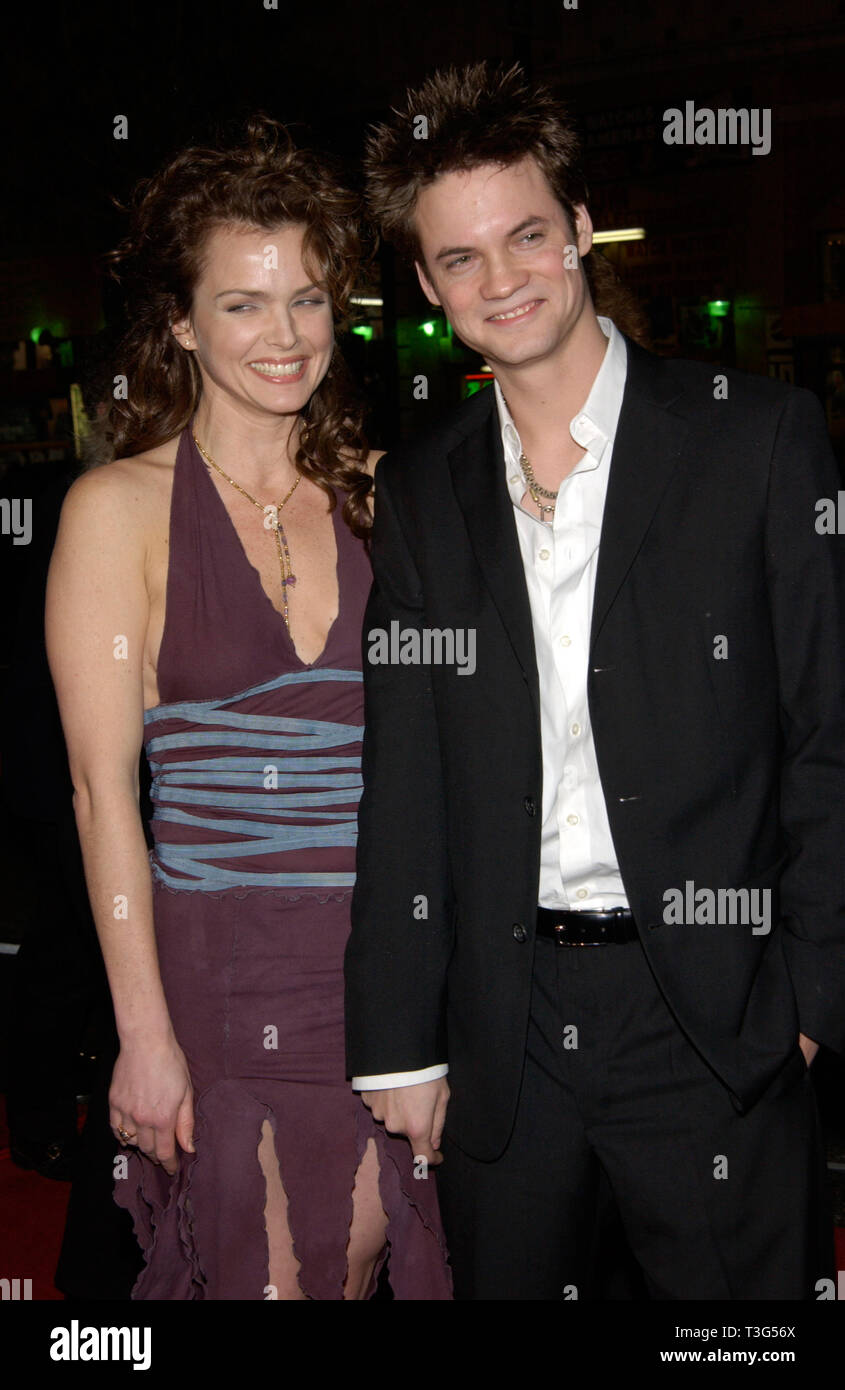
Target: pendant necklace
{"type": "Point", "coordinates": [274, 510]}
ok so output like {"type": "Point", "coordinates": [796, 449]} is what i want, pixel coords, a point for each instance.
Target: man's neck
{"type": "Point", "coordinates": [544, 397]}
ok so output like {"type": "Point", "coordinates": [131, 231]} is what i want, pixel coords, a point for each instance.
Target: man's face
{"type": "Point", "coordinates": [498, 256]}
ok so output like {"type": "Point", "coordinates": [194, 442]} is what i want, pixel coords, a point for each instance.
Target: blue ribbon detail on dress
{"type": "Point", "coordinates": [320, 782]}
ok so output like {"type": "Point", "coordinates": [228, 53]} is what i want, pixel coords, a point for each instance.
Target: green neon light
{"type": "Point", "coordinates": [718, 308]}
{"type": "Point", "coordinates": [429, 328]}
{"type": "Point", "coordinates": [365, 331]}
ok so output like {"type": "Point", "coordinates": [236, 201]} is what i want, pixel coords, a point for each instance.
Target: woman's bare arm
{"type": "Point", "coordinates": [96, 624]}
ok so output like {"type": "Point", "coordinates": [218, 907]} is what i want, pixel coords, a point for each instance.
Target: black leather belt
{"type": "Point", "coordinates": [588, 928]}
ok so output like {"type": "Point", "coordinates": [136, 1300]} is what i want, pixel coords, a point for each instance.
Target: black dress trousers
{"type": "Point", "coordinates": [714, 1204]}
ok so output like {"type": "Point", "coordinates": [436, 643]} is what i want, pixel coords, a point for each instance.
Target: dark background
{"type": "Point", "coordinates": [764, 233]}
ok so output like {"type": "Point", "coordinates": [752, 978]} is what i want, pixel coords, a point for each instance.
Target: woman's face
{"type": "Point", "coordinates": [261, 329]}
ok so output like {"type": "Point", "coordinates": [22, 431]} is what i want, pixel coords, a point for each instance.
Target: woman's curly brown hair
{"type": "Point", "coordinates": [265, 182]}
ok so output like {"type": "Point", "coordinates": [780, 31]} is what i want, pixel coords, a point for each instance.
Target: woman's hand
{"type": "Point", "coordinates": [151, 1098]}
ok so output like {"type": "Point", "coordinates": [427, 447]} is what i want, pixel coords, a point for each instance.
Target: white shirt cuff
{"type": "Point", "coordinates": [392, 1079]}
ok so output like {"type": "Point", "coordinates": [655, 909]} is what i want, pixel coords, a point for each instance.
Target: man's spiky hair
{"type": "Point", "coordinates": [458, 120]}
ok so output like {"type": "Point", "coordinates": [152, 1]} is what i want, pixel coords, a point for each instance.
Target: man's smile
{"type": "Point", "coordinates": [520, 312]}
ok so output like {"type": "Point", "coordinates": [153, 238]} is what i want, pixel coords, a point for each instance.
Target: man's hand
{"type": "Point", "coordinates": [808, 1047]}
{"type": "Point", "coordinates": [418, 1112]}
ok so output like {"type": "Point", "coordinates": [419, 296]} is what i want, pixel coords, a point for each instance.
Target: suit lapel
{"type": "Point", "coordinates": [478, 475]}
{"type": "Point", "coordinates": [646, 451]}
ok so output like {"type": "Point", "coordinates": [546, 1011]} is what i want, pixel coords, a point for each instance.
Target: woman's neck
{"type": "Point", "coordinates": [257, 450]}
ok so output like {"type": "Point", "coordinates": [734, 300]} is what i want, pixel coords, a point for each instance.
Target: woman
{"type": "Point", "coordinates": [206, 595]}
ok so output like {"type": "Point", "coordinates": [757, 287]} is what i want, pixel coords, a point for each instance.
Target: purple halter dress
{"type": "Point", "coordinates": [256, 778]}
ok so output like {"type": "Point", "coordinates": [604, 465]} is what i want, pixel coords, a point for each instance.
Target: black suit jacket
{"type": "Point", "coordinates": [726, 772]}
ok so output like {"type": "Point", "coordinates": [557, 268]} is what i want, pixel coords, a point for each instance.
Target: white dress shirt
{"type": "Point", "coordinates": [578, 867]}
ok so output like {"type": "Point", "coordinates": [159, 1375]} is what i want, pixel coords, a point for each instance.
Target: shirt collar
{"type": "Point", "coordinates": [594, 427]}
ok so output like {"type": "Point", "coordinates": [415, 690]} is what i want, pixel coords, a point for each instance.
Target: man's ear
{"type": "Point", "coordinates": [583, 229]}
{"type": "Point", "coordinates": [427, 287]}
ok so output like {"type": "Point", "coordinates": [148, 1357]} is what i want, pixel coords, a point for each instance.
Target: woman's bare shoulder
{"type": "Point", "coordinates": [148, 469]}
{"type": "Point", "coordinates": [134, 487]}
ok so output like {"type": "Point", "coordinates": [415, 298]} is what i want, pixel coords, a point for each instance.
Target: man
{"type": "Point", "coordinates": [600, 876]}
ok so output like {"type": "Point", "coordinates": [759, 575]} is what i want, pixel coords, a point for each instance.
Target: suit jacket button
{"type": "Point", "coordinates": [529, 805]}
{"type": "Point", "coordinates": [519, 932]}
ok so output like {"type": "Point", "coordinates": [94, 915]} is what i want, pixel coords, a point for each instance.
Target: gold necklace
{"type": "Point", "coordinates": [534, 487]}
{"type": "Point", "coordinates": [271, 509]}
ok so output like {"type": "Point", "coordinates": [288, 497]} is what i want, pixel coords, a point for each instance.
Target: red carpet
{"type": "Point", "coordinates": [29, 1247]}
{"type": "Point", "coordinates": [32, 1221]}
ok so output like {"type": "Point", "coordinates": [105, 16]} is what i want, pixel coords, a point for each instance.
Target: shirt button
{"type": "Point", "coordinates": [572, 820]}
{"type": "Point", "coordinates": [543, 554]}
{"type": "Point", "coordinates": [514, 478]}
{"type": "Point", "coordinates": [583, 893]}
{"type": "Point", "coordinates": [575, 730]}
{"type": "Point", "coordinates": [519, 932]}
{"type": "Point", "coordinates": [566, 641]}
